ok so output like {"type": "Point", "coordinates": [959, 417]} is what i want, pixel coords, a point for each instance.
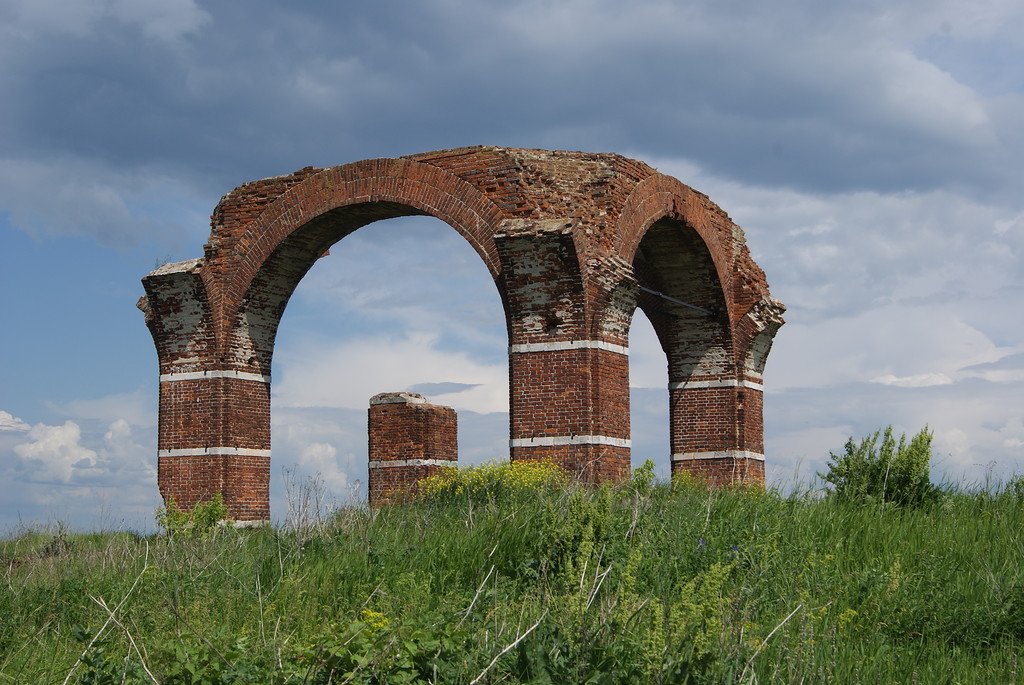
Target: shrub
{"type": "Point", "coordinates": [199, 522]}
{"type": "Point", "coordinates": [886, 472]}
{"type": "Point", "coordinates": [1015, 488]}
{"type": "Point", "coordinates": [489, 480]}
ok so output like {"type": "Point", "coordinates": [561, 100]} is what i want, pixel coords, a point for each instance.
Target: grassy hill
{"type": "Point", "coordinates": [515, 581]}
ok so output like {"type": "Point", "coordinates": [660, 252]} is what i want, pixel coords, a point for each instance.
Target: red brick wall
{"type": "Point", "coordinates": [724, 471]}
{"type": "Point", "coordinates": [407, 438]}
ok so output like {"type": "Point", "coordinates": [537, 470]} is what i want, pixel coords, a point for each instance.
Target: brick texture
{"type": "Point", "coordinates": [574, 241]}
{"type": "Point", "coordinates": [405, 430]}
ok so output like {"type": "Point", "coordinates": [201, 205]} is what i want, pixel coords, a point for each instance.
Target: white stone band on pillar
{"type": "Point", "coordinates": [203, 375]}
{"type": "Point", "coordinates": [559, 440]}
{"type": "Point", "coordinates": [214, 452]}
{"type": "Point", "coordinates": [413, 462]}
{"type": "Point", "coordinates": [569, 345]}
{"type": "Point", "coordinates": [720, 454]}
{"type": "Point", "coordinates": [723, 383]}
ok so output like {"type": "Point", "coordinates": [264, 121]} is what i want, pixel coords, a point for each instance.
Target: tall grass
{"type": "Point", "coordinates": [638, 583]}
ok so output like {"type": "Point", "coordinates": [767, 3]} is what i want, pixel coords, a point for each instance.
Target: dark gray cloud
{"type": "Point", "coordinates": [806, 95]}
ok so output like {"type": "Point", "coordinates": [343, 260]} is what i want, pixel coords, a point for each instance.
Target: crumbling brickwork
{"type": "Point", "coordinates": [409, 439]}
{"type": "Point", "coordinates": [574, 241]}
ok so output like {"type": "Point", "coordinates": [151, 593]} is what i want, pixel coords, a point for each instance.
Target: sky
{"type": "Point", "coordinates": [872, 152]}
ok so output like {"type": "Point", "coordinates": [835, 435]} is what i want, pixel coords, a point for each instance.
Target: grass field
{"type": "Point", "coordinates": [513, 582]}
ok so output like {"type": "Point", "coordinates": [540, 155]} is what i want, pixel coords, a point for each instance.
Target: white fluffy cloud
{"type": "Point", "coordinates": [60, 471]}
{"type": "Point", "coordinates": [9, 422]}
{"type": "Point", "coordinates": [53, 453]}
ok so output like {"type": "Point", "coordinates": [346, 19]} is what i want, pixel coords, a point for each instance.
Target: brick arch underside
{"type": "Point", "coordinates": [280, 246]}
{"type": "Point", "coordinates": [673, 260]}
{"type": "Point", "coordinates": [678, 243]}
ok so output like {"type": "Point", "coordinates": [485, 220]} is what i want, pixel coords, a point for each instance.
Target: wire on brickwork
{"type": "Point", "coordinates": [673, 300]}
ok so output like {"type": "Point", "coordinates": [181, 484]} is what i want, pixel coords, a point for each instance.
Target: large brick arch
{"type": "Point", "coordinates": [559, 233]}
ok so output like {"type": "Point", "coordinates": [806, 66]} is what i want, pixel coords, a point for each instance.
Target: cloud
{"type": "Point", "coordinates": [53, 453]}
{"type": "Point", "coordinates": [412, 275]}
{"type": "Point", "coordinates": [809, 96]}
{"type": "Point", "coordinates": [1007, 369]}
{"type": "Point", "coordinates": [60, 472]}
{"type": "Point", "coordinates": [136, 408]}
{"type": "Point", "coordinates": [79, 197]}
{"type": "Point", "coordinates": [833, 254]}
{"type": "Point", "coordinates": [9, 422]}
{"type": "Point", "coordinates": [347, 374]}
{"type": "Point", "coordinates": [164, 20]}
{"type": "Point", "coordinates": [920, 380]}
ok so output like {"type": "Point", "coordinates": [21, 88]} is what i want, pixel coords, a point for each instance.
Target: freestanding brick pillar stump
{"type": "Point", "coordinates": [409, 439]}
{"type": "Point", "coordinates": [574, 241]}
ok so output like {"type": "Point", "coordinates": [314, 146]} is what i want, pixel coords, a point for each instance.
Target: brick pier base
{"type": "Point", "coordinates": [409, 439]}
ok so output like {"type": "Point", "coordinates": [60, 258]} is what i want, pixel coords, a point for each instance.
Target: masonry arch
{"type": "Point", "coordinates": [684, 279]}
{"type": "Point", "coordinates": [273, 252]}
{"type": "Point", "coordinates": [568, 238]}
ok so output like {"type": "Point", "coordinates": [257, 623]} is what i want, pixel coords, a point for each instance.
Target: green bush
{"type": "Point", "coordinates": [198, 522]}
{"type": "Point", "coordinates": [489, 480]}
{"type": "Point", "coordinates": [887, 472]}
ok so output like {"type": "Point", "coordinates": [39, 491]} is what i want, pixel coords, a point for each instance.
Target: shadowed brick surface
{"type": "Point", "coordinates": [574, 241]}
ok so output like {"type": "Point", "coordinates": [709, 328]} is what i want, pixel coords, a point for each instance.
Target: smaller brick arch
{"type": "Point", "coordinates": [715, 375]}
{"type": "Point", "coordinates": [568, 237]}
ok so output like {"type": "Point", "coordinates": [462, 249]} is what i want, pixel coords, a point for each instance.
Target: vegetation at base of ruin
{"type": "Point", "coordinates": [199, 522]}
{"type": "Point", "coordinates": [641, 582]}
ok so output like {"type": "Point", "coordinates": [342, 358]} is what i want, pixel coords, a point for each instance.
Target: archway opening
{"type": "Point", "coordinates": [648, 397]}
{"type": "Point", "coordinates": [400, 304]}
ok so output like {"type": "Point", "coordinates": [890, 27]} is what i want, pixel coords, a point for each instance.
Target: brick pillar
{"type": "Point", "coordinates": [714, 411]}
{"type": "Point", "coordinates": [570, 404]}
{"type": "Point", "coordinates": [214, 422]}
{"type": "Point", "coordinates": [568, 388]}
{"type": "Point", "coordinates": [409, 439]}
{"type": "Point", "coordinates": [716, 429]}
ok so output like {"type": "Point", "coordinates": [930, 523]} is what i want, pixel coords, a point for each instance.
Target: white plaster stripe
{"type": "Point", "coordinates": [558, 440]}
{"type": "Point", "coordinates": [202, 375]}
{"type": "Point", "coordinates": [255, 523]}
{"type": "Point", "coordinates": [413, 462]}
{"type": "Point", "coordinates": [569, 345]}
{"type": "Point", "coordinates": [214, 452]}
{"type": "Point", "coordinates": [723, 383]}
{"type": "Point", "coordinates": [721, 454]}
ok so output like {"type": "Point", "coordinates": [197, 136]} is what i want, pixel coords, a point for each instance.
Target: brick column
{"type": "Point", "coordinates": [716, 429]}
{"type": "Point", "coordinates": [214, 436]}
{"type": "Point", "coordinates": [569, 402]}
{"type": "Point", "coordinates": [214, 422]}
{"type": "Point", "coordinates": [568, 387]}
{"type": "Point", "coordinates": [409, 439]}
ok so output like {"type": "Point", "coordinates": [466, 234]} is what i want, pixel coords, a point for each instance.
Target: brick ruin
{"type": "Point", "coordinates": [409, 439]}
{"type": "Point", "coordinates": [574, 241]}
